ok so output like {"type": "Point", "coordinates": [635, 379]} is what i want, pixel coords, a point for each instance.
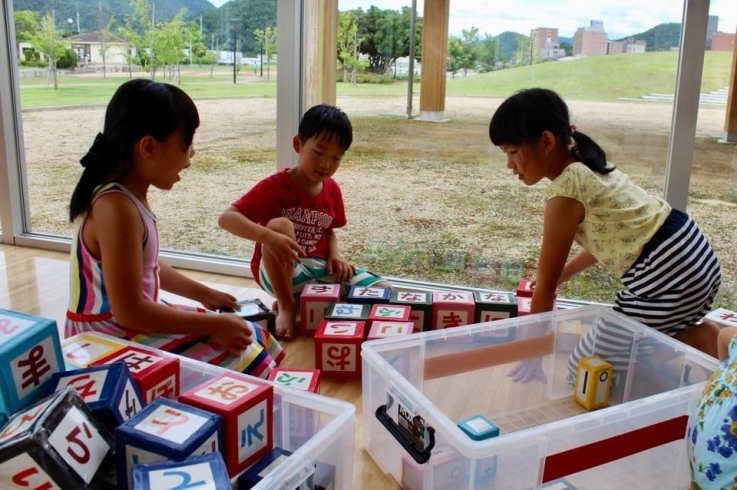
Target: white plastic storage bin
{"type": "Point", "coordinates": [314, 428]}
{"type": "Point", "coordinates": [416, 389]}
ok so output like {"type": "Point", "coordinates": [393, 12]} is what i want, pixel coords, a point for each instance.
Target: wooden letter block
{"type": "Point", "coordinates": [338, 348]}
{"type": "Point", "coordinates": [30, 352]}
{"type": "Point", "coordinates": [207, 471]}
{"type": "Point", "coordinates": [388, 313]}
{"type": "Point", "coordinates": [382, 329]}
{"type": "Point", "coordinates": [369, 294]}
{"type": "Point", "coordinates": [301, 379]}
{"type": "Point", "coordinates": [593, 382]}
{"type": "Point", "coordinates": [84, 349]}
{"type": "Point", "coordinates": [494, 306]}
{"type": "Point", "coordinates": [246, 407]}
{"type": "Point", "coordinates": [108, 390]}
{"type": "Point", "coordinates": [313, 304]}
{"type": "Point", "coordinates": [524, 288]}
{"type": "Point", "coordinates": [55, 444]}
{"type": "Point", "coordinates": [348, 311]}
{"type": "Point", "coordinates": [421, 304]}
{"type": "Point", "coordinates": [164, 430]}
{"type": "Point", "coordinates": [452, 309]}
{"type": "Point", "coordinates": [155, 374]}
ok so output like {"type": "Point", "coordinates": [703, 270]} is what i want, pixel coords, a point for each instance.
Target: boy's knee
{"type": "Point", "coordinates": [281, 225]}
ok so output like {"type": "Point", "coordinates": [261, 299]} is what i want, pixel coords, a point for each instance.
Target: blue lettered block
{"type": "Point", "coordinates": [261, 468]}
{"type": "Point", "coordinates": [369, 294]}
{"type": "Point", "coordinates": [207, 471]}
{"type": "Point", "coordinates": [108, 390]}
{"type": "Point", "coordinates": [164, 430]}
{"type": "Point", "coordinates": [30, 352]}
{"type": "Point", "coordinates": [479, 428]}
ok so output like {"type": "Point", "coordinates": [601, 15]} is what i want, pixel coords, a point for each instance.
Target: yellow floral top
{"type": "Point", "coordinates": [620, 216]}
{"type": "Point", "coordinates": [712, 430]}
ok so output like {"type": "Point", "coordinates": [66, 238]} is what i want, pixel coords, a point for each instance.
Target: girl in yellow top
{"type": "Point", "coordinates": [669, 271]}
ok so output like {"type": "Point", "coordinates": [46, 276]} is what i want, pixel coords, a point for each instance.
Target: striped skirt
{"type": "Point", "coordinates": [670, 288]}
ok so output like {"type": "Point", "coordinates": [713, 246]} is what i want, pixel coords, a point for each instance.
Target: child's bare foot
{"type": "Point", "coordinates": [285, 318]}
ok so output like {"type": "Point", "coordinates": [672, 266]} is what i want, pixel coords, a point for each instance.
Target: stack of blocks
{"type": "Point", "coordinates": [313, 305]}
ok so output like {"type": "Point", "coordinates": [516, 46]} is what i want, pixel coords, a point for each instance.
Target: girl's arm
{"type": "Point", "coordinates": [582, 260]}
{"type": "Point", "coordinates": [726, 335]}
{"type": "Point", "coordinates": [175, 282]}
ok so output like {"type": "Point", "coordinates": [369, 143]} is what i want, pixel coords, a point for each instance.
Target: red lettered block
{"type": "Point", "coordinates": [246, 406]}
{"type": "Point", "coordinates": [452, 309]}
{"type": "Point", "coordinates": [381, 329]}
{"type": "Point", "coordinates": [388, 313]}
{"type": "Point", "coordinates": [524, 288]}
{"type": "Point", "coordinates": [338, 349]}
{"type": "Point", "coordinates": [301, 379]}
{"type": "Point", "coordinates": [313, 304]}
{"type": "Point", "coordinates": [155, 374]}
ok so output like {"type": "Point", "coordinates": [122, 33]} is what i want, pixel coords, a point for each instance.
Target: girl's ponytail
{"type": "Point", "coordinates": [588, 152]}
{"type": "Point", "coordinates": [97, 163]}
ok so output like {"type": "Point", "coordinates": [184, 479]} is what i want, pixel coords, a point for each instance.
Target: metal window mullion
{"type": "Point", "coordinates": [289, 81]}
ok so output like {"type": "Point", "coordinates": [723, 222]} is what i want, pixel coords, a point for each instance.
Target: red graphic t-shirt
{"type": "Point", "coordinates": [278, 196]}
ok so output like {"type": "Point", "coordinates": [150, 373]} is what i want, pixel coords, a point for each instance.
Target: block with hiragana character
{"type": "Point", "coordinates": [30, 352]}
{"type": "Point", "coordinates": [492, 306]}
{"type": "Point", "coordinates": [84, 349]}
{"type": "Point", "coordinates": [420, 303]}
{"type": "Point", "coordinates": [338, 348]}
{"type": "Point", "coordinates": [369, 294]}
{"type": "Point", "coordinates": [382, 329]}
{"type": "Point", "coordinates": [313, 304]}
{"type": "Point", "coordinates": [388, 313]}
{"type": "Point", "coordinates": [156, 374]}
{"type": "Point", "coordinates": [301, 379]}
{"type": "Point", "coordinates": [206, 471]}
{"type": "Point", "coordinates": [593, 382]}
{"type": "Point", "coordinates": [56, 443]}
{"type": "Point", "coordinates": [525, 288]}
{"type": "Point", "coordinates": [348, 311]}
{"type": "Point", "coordinates": [164, 430]}
{"type": "Point", "coordinates": [452, 309]}
{"type": "Point", "coordinates": [245, 405]}
{"type": "Point", "coordinates": [523, 305]}
{"type": "Point", "coordinates": [723, 317]}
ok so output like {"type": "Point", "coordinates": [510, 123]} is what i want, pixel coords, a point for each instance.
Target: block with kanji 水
{"type": "Point", "coordinates": [381, 329]}
{"type": "Point", "coordinates": [313, 304]}
{"type": "Point", "coordinates": [206, 471]}
{"type": "Point", "coordinates": [55, 443]}
{"type": "Point", "coordinates": [389, 313]}
{"type": "Point", "coordinates": [348, 311]}
{"type": "Point", "coordinates": [156, 374]}
{"type": "Point", "coordinates": [723, 316]}
{"type": "Point", "coordinates": [492, 306]}
{"type": "Point", "coordinates": [245, 405]}
{"type": "Point", "coordinates": [108, 390]}
{"type": "Point", "coordinates": [420, 303]}
{"type": "Point", "coordinates": [338, 348]}
{"type": "Point", "coordinates": [452, 309]}
{"type": "Point", "coordinates": [299, 378]}
{"type": "Point", "coordinates": [369, 294]}
{"type": "Point", "coordinates": [164, 430]}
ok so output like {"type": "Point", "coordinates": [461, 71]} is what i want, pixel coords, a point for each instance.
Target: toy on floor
{"type": "Point", "coordinates": [593, 382]}
{"type": "Point", "coordinates": [479, 428]}
{"type": "Point", "coordinates": [207, 471]}
{"type": "Point", "coordinates": [301, 379]}
{"type": "Point", "coordinates": [452, 309]}
{"type": "Point", "coordinates": [369, 294]}
{"type": "Point", "coordinates": [420, 303]}
{"type": "Point", "coordinates": [338, 348]}
{"type": "Point", "coordinates": [313, 305]}
{"type": "Point", "coordinates": [382, 329]}
{"type": "Point", "coordinates": [348, 311]}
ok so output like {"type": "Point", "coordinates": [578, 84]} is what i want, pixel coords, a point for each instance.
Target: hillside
{"type": "Point", "coordinates": [662, 37]}
{"type": "Point", "coordinates": [508, 44]}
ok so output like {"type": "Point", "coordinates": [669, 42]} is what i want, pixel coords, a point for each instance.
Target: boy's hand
{"type": "Point", "coordinates": [231, 332]}
{"type": "Point", "coordinates": [212, 299]}
{"type": "Point", "coordinates": [285, 250]}
{"type": "Point", "coordinates": [342, 270]}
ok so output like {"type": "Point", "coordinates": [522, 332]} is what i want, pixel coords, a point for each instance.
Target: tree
{"type": "Point", "coordinates": [522, 54]}
{"type": "Point", "coordinates": [104, 34]}
{"type": "Point", "coordinates": [26, 25]}
{"type": "Point", "coordinates": [266, 38]}
{"type": "Point", "coordinates": [455, 55]}
{"type": "Point", "coordinates": [469, 44]}
{"type": "Point", "coordinates": [348, 43]}
{"type": "Point", "coordinates": [488, 53]}
{"type": "Point", "coordinates": [48, 40]}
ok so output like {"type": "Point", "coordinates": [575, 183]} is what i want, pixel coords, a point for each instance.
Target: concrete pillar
{"type": "Point", "coordinates": [320, 52]}
{"type": "Point", "coordinates": [730, 121]}
{"type": "Point", "coordinates": [436, 15]}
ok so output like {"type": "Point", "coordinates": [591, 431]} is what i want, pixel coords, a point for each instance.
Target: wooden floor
{"type": "Point", "coordinates": [36, 282]}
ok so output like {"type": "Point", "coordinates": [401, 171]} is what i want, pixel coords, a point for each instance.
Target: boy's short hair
{"type": "Point", "coordinates": [328, 119]}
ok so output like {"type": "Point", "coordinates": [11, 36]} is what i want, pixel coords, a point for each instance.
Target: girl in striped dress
{"type": "Point", "coordinates": [667, 266]}
{"type": "Point", "coordinates": [116, 274]}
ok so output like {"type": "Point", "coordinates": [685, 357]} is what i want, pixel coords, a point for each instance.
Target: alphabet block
{"type": "Point", "coordinates": [525, 289]}
{"type": "Point", "coordinates": [164, 430]}
{"type": "Point", "coordinates": [155, 373]}
{"type": "Point", "coordinates": [381, 329]}
{"type": "Point", "coordinates": [84, 349]}
{"type": "Point", "coordinates": [388, 313]}
{"type": "Point", "coordinates": [494, 306]}
{"type": "Point", "coordinates": [108, 390]}
{"type": "Point", "coordinates": [313, 304]}
{"type": "Point", "coordinates": [369, 294]}
{"type": "Point", "coordinates": [593, 382]}
{"type": "Point", "coordinates": [30, 352]}
{"type": "Point", "coordinates": [56, 443]}
{"type": "Point", "coordinates": [421, 304]}
{"type": "Point", "coordinates": [338, 348]}
{"type": "Point", "coordinates": [479, 428]}
{"type": "Point", "coordinates": [301, 379]}
{"type": "Point", "coordinates": [246, 407]}
{"type": "Point", "coordinates": [348, 311]}
{"type": "Point", "coordinates": [207, 471]}
{"type": "Point", "coordinates": [452, 309]}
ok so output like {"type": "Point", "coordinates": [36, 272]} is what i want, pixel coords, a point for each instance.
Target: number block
{"type": "Point", "coordinates": [338, 348]}
{"type": "Point", "coordinates": [369, 294]}
{"type": "Point", "coordinates": [30, 352]}
{"type": "Point", "coordinates": [56, 443]}
{"type": "Point", "coordinates": [524, 288]}
{"type": "Point", "coordinates": [420, 303]}
{"type": "Point", "coordinates": [593, 382]}
{"type": "Point", "coordinates": [84, 349]}
{"type": "Point", "coordinates": [382, 329]}
{"type": "Point", "coordinates": [207, 471]}
{"type": "Point", "coordinates": [388, 313]}
{"type": "Point", "coordinates": [446, 469]}
{"type": "Point", "coordinates": [313, 304]}
{"type": "Point", "coordinates": [479, 428]}
{"type": "Point", "coordinates": [348, 311]}
{"type": "Point", "coordinates": [301, 379]}
{"type": "Point", "coordinates": [246, 407]}
{"type": "Point", "coordinates": [109, 391]}
{"type": "Point", "coordinates": [494, 306]}
{"type": "Point", "coordinates": [568, 335]}
{"type": "Point", "coordinates": [164, 430]}
{"type": "Point", "coordinates": [155, 373]}
{"type": "Point", "coordinates": [452, 309]}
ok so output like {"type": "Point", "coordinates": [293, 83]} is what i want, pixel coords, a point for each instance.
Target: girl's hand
{"type": "Point", "coordinates": [212, 299]}
{"type": "Point", "coordinates": [231, 333]}
{"type": "Point", "coordinates": [528, 370]}
{"type": "Point", "coordinates": [343, 270]}
{"type": "Point", "coordinates": [284, 249]}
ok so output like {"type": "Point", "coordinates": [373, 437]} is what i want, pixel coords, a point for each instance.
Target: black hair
{"type": "Point", "coordinates": [522, 118]}
{"type": "Point", "coordinates": [327, 119]}
{"type": "Point", "coordinates": [138, 108]}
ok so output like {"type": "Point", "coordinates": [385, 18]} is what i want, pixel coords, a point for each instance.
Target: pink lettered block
{"type": "Point", "coordinates": [524, 288]}
{"type": "Point", "coordinates": [452, 309]}
{"type": "Point", "coordinates": [301, 379]}
{"type": "Point", "coordinates": [388, 313]}
{"type": "Point", "coordinates": [382, 329]}
{"type": "Point", "coordinates": [421, 304]}
{"type": "Point", "coordinates": [313, 304]}
{"type": "Point", "coordinates": [338, 349]}
{"type": "Point", "coordinates": [156, 374]}
{"type": "Point", "coordinates": [523, 305]}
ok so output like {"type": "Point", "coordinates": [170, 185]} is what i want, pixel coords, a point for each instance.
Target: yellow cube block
{"type": "Point", "coordinates": [593, 382]}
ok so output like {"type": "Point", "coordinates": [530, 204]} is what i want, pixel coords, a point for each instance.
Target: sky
{"type": "Point", "coordinates": [621, 17]}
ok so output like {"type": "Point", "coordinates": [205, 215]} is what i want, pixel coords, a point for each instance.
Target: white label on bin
{"type": "Point", "coordinates": [226, 390]}
{"type": "Point", "coordinates": [34, 366]}
{"type": "Point", "coordinates": [253, 427]}
{"type": "Point", "coordinates": [77, 441]}
{"type": "Point", "coordinates": [23, 472]}
{"type": "Point", "coordinates": [279, 460]}
{"type": "Point", "coordinates": [197, 476]}
{"type": "Point", "coordinates": [171, 424]}
{"type": "Point", "coordinates": [12, 325]}
{"type": "Point", "coordinates": [89, 386]}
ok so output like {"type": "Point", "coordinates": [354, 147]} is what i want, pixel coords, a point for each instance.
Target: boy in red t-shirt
{"type": "Point", "coordinates": [292, 215]}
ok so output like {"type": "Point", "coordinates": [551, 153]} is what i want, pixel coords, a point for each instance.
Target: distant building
{"type": "Point", "coordinates": [89, 48]}
{"type": "Point", "coordinates": [722, 41]}
{"type": "Point", "coordinates": [590, 41]}
{"type": "Point", "coordinates": [545, 45]}
{"type": "Point", "coordinates": [711, 27]}
{"type": "Point", "coordinates": [630, 45]}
